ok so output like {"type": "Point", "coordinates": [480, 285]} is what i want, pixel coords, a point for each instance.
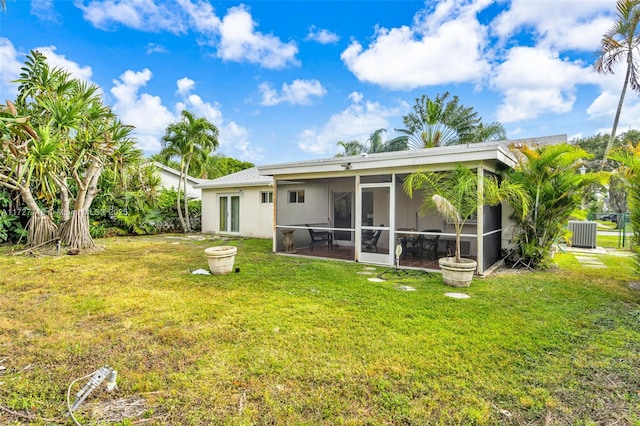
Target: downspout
{"type": "Point", "coordinates": [275, 215]}
{"type": "Point", "coordinates": [480, 220]}
{"type": "Point", "coordinates": [358, 219]}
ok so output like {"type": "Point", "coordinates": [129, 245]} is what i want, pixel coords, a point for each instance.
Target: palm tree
{"type": "Point", "coordinates": [550, 175]}
{"type": "Point", "coordinates": [489, 132]}
{"type": "Point", "coordinates": [374, 144]}
{"type": "Point", "coordinates": [618, 44]}
{"type": "Point", "coordinates": [439, 122]}
{"type": "Point", "coordinates": [351, 148]}
{"type": "Point", "coordinates": [188, 140]}
{"type": "Point", "coordinates": [455, 194]}
{"type": "Point", "coordinates": [629, 160]}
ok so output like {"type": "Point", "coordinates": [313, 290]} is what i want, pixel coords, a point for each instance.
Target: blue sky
{"type": "Point", "coordinates": [286, 80]}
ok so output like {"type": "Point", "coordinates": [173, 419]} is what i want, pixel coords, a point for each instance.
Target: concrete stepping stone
{"type": "Point", "coordinates": [376, 280]}
{"type": "Point", "coordinates": [457, 295]}
{"type": "Point", "coordinates": [582, 259]}
{"type": "Point", "coordinates": [405, 288]}
{"type": "Point", "coordinates": [365, 273]}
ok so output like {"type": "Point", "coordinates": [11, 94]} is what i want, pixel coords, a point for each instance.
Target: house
{"type": "Point", "coordinates": [355, 208]}
{"type": "Point", "coordinates": [238, 204]}
{"type": "Point", "coordinates": [171, 177]}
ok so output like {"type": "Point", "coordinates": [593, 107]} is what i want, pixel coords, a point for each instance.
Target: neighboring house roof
{"type": "Point", "coordinates": [485, 151]}
{"type": "Point", "coordinates": [243, 178]}
{"type": "Point", "coordinates": [190, 179]}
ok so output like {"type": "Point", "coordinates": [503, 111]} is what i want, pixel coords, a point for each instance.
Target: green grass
{"type": "Point", "coordinates": [301, 341]}
{"type": "Point", "coordinates": [613, 241]}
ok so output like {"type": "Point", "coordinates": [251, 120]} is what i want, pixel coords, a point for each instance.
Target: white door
{"type": "Point", "coordinates": [374, 221]}
{"type": "Point", "coordinates": [229, 210]}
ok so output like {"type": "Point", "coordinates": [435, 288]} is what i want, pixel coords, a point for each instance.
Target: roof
{"type": "Point", "coordinates": [243, 178]}
{"type": "Point", "coordinates": [173, 171]}
{"type": "Point", "coordinates": [472, 152]}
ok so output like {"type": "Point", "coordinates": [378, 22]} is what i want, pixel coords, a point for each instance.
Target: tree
{"type": "Point", "coordinates": [27, 156]}
{"type": "Point", "coordinates": [443, 121]}
{"type": "Point", "coordinates": [61, 160]}
{"type": "Point", "coordinates": [215, 166]}
{"type": "Point", "coordinates": [489, 132]}
{"type": "Point", "coordinates": [629, 160]}
{"type": "Point", "coordinates": [189, 139]}
{"type": "Point", "coordinates": [618, 44]}
{"type": "Point", "coordinates": [374, 144]}
{"type": "Point", "coordinates": [455, 194]}
{"type": "Point", "coordinates": [550, 175]}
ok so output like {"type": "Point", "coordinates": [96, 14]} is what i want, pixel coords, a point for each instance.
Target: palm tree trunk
{"type": "Point", "coordinates": [186, 196]}
{"type": "Point", "coordinates": [618, 112]}
{"type": "Point", "coordinates": [178, 207]}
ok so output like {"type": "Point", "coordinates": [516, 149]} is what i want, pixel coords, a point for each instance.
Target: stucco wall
{"type": "Point", "coordinates": [256, 218]}
{"type": "Point", "coordinates": [169, 180]}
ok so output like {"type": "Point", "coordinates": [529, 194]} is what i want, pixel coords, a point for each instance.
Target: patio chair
{"type": "Point", "coordinates": [319, 237]}
{"type": "Point", "coordinates": [412, 246]}
{"type": "Point", "coordinates": [371, 242]}
{"type": "Point", "coordinates": [429, 244]}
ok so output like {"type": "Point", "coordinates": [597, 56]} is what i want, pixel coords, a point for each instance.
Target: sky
{"type": "Point", "coordinates": [287, 80]}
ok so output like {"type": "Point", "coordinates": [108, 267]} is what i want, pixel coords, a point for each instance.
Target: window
{"type": "Point", "coordinates": [266, 197]}
{"type": "Point", "coordinates": [296, 197]}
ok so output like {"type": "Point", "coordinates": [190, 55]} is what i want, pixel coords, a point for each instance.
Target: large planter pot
{"type": "Point", "coordinates": [221, 259]}
{"type": "Point", "coordinates": [457, 274]}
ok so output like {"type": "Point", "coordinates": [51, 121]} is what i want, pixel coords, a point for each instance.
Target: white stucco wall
{"type": "Point", "coordinates": [170, 180]}
{"type": "Point", "coordinates": [256, 218]}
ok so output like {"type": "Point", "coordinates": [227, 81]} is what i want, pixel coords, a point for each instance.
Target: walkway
{"type": "Point", "coordinates": [585, 256]}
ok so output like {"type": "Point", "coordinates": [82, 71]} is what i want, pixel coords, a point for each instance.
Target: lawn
{"type": "Point", "coordinates": [291, 340]}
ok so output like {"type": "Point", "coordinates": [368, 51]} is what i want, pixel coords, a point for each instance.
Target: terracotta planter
{"type": "Point", "coordinates": [457, 274]}
{"type": "Point", "coordinates": [221, 259]}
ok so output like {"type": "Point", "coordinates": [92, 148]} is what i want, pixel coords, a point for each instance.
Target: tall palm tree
{"type": "Point", "coordinates": [439, 122]}
{"type": "Point", "coordinates": [351, 148]}
{"type": "Point", "coordinates": [618, 44]}
{"type": "Point", "coordinates": [489, 132]}
{"type": "Point", "coordinates": [374, 144]}
{"type": "Point", "coordinates": [188, 139]}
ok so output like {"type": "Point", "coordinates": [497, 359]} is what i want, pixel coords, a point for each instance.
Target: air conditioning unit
{"type": "Point", "coordinates": [584, 233]}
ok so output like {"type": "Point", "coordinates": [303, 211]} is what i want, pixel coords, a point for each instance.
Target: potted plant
{"type": "Point", "coordinates": [456, 196]}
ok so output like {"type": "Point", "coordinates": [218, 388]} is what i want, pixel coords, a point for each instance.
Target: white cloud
{"type": "Point", "coordinates": [322, 36]}
{"type": "Point", "coordinates": [606, 104]}
{"type": "Point", "coordinates": [144, 15]}
{"type": "Point", "coordinates": [549, 86]}
{"type": "Point", "coordinates": [421, 55]}
{"type": "Point", "coordinates": [240, 42]}
{"type": "Point", "coordinates": [354, 123]}
{"type": "Point", "coordinates": [54, 60]}
{"type": "Point", "coordinates": [185, 85]}
{"type": "Point", "coordinates": [565, 24]}
{"type": "Point", "coordinates": [142, 110]}
{"type": "Point", "coordinates": [155, 48]}
{"type": "Point", "coordinates": [202, 15]}
{"type": "Point", "coordinates": [233, 138]}
{"type": "Point", "coordinates": [299, 92]}
{"type": "Point", "coordinates": [356, 97]}
{"type": "Point", "coordinates": [44, 10]}
{"type": "Point", "coordinates": [9, 70]}
{"type": "Point", "coordinates": [234, 36]}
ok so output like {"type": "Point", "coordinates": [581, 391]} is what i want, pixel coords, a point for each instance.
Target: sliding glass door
{"type": "Point", "coordinates": [229, 213]}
